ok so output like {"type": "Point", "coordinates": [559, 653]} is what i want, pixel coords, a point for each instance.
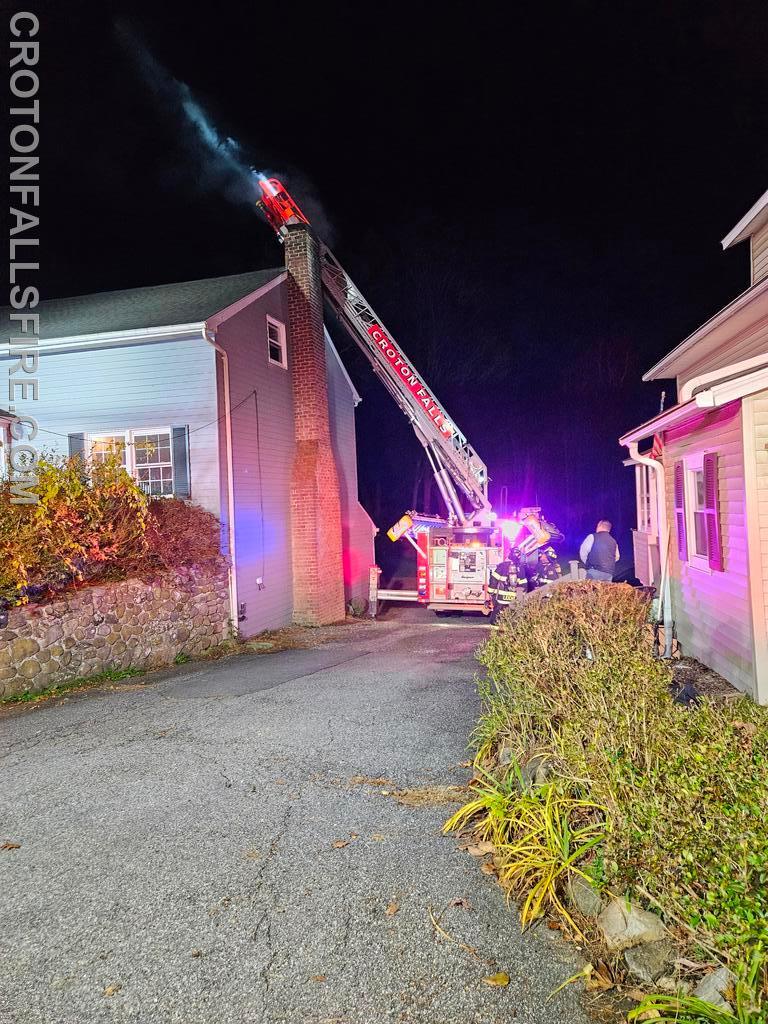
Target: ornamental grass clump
{"type": "Point", "coordinates": [676, 797]}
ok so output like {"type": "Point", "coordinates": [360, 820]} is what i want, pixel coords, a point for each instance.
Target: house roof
{"type": "Point", "coordinates": [662, 421]}
{"type": "Point", "coordinates": [715, 395]}
{"type": "Point", "coordinates": [159, 305]}
{"type": "Point", "coordinates": [739, 315]}
{"type": "Point", "coordinates": [751, 222]}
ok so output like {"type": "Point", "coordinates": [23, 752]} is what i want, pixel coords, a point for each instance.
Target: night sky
{"type": "Point", "coordinates": [532, 202]}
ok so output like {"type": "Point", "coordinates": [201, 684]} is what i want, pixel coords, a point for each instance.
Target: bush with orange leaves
{"type": "Point", "coordinates": [91, 523]}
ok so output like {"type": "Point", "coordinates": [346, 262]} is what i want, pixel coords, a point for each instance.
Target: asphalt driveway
{"type": "Point", "coordinates": [181, 856]}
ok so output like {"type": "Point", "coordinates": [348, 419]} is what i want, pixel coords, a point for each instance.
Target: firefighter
{"type": "Point", "coordinates": [547, 567]}
{"type": "Point", "coordinates": [505, 583]}
{"type": "Point", "coordinates": [539, 564]}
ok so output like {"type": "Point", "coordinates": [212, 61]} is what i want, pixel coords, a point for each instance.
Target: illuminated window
{"type": "Point", "coordinates": [153, 463]}
{"type": "Point", "coordinates": [699, 513]}
{"type": "Point", "coordinates": [146, 454]}
{"type": "Point", "coordinates": [695, 501]}
{"type": "Point", "coordinates": [276, 346]}
{"type": "Point", "coordinates": [105, 445]}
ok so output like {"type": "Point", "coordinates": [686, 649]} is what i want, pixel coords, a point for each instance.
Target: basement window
{"type": "Point", "coordinates": [276, 346]}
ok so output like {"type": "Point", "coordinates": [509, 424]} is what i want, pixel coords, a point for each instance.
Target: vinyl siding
{"type": "Point", "coordinates": [356, 526]}
{"type": "Point", "coordinates": [712, 610]}
{"type": "Point", "coordinates": [750, 342]}
{"type": "Point", "coordinates": [132, 386]}
{"type": "Point", "coordinates": [646, 552]}
{"type": "Point", "coordinates": [262, 451]}
{"type": "Point", "coordinates": [759, 251]}
{"type": "Point", "coordinates": [755, 413]}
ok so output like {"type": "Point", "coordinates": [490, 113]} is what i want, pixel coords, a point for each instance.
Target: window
{"type": "Point", "coordinates": [276, 346]}
{"type": "Point", "coordinates": [697, 511]}
{"type": "Point", "coordinates": [146, 454]}
{"type": "Point", "coordinates": [153, 462]}
{"type": "Point", "coordinates": [104, 445]}
{"type": "Point", "coordinates": [645, 485]}
{"type": "Point", "coordinates": [698, 507]}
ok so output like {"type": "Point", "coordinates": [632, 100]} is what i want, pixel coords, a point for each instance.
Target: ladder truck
{"type": "Point", "coordinates": [454, 553]}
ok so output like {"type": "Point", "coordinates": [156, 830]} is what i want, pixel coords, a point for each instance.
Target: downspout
{"type": "Point", "coordinates": [210, 338]}
{"type": "Point", "coordinates": [661, 512]}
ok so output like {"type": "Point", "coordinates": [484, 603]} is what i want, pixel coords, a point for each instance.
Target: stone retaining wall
{"type": "Point", "coordinates": [131, 624]}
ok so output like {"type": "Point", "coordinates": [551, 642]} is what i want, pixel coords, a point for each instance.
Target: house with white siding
{"type": "Point", "coordinates": [702, 481]}
{"type": "Point", "coordinates": [192, 384]}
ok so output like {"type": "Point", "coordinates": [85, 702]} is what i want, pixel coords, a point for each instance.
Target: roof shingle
{"type": "Point", "coordinates": [159, 305]}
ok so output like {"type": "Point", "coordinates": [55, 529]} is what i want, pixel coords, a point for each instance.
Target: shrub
{"type": "Point", "coordinates": [684, 791]}
{"type": "Point", "coordinates": [180, 534]}
{"type": "Point", "coordinates": [92, 522]}
{"type": "Point", "coordinates": [89, 520]}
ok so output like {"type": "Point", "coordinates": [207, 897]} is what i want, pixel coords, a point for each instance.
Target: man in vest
{"type": "Point", "coordinates": [600, 553]}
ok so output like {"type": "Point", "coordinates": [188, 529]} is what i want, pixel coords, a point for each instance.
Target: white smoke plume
{"type": "Point", "coordinates": [215, 162]}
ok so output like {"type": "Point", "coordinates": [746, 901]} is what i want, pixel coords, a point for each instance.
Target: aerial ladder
{"type": "Point", "coordinates": [455, 552]}
{"type": "Point", "coordinates": [454, 462]}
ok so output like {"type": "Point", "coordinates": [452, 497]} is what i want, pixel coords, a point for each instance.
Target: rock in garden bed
{"type": "Point", "coordinates": [623, 925]}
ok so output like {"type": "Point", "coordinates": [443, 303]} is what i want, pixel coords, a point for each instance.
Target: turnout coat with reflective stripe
{"type": "Point", "coordinates": [504, 581]}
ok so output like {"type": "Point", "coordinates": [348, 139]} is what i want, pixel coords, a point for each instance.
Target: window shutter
{"type": "Point", "coordinates": [712, 512]}
{"type": "Point", "coordinates": [180, 444]}
{"type": "Point", "coordinates": [77, 445]}
{"type": "Point", "coordinates": [682, 540]}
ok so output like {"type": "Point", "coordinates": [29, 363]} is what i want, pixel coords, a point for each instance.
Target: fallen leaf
{"type": "Point", "coordinates": [252, 854]}
{"type": "Point", "coordinates": [353, 835]}
{"type": "Point", "coordinates": [279, 782]}
{"type": "Point", "coordinates": [636, 995]}
{"type": "Point", "coordinates": [461, 902]}
{"type": "Point", "coordinates": [378, 837]}
{"type": "Point", "coordinates": [480, 849]}
{"type": "Point", "coordinates": [600, 980]}
{"type": "Point", "coordinates": [196, 952]}
{"type": "Point", "coordinates": [339, 844]}
{"type": "Point", "coordinates": [465, 764]}
{"type": "Point", "coordinates": [10, 846]}
{"type": "Point", "coordinates": [392, 909]}
{"type": "Point", "coordinates": [554, 926]}
{"type": "Point", "coordinates": [110, 990]}
{"type": "Point", "coordinates": [498, 980]}
{"type": "Point", "coordinates": [488, 869]}
{"type": "Point", "coordinates": [318, 977]}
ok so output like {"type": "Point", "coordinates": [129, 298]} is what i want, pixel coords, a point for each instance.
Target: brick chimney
{"type": "Point", "coordinates": [318, 574]}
